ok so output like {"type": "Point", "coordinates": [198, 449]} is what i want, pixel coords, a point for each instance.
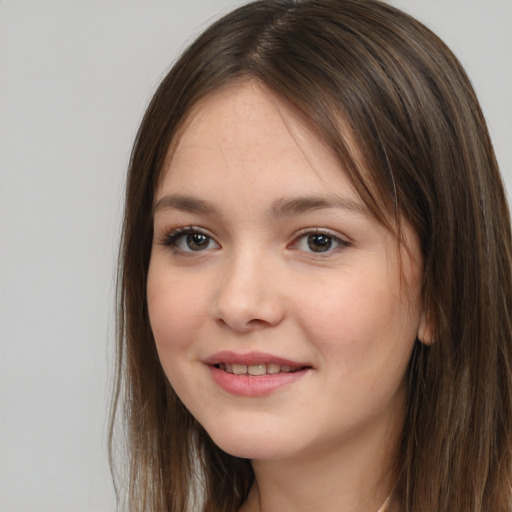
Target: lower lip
{"type": "Point", "coordinates": [254, 385]}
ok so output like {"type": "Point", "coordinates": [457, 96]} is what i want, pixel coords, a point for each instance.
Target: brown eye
{"type": "Point", "coordinates": [197, 241]}
{"type": "Point", "coordinates": [319, 242]}
{"type": "Point", "coordinates": [189, 240]}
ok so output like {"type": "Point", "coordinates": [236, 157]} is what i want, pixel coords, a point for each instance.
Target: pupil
{"type": "Point", "coordinates": [319, 242]}
{"type": "Point", "coordinates": [197, 241]}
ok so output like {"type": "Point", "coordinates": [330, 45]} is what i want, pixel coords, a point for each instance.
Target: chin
{"type": "Point", "coordinates": [255, 450]}
{"type": "Point", "coordinates": [252, 445]}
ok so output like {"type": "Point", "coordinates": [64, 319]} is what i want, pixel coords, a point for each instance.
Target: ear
{"type": "Point", "coordinates": [425, 330]}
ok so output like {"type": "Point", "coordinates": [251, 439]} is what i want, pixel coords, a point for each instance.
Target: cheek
{"type": "Point", "coordinates": [175, 310]}
{"type": "Point", "coordinates": [360, 321]}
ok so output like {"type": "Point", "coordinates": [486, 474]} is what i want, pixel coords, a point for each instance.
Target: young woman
{"type": "Point", "coordinates": [315, 281]}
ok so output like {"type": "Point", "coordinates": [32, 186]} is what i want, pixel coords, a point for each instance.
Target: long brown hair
{"type": "Point", "coordinates": [406, 100]}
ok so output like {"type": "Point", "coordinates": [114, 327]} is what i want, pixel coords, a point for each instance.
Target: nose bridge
{"type": "Point", "coordinates": [247, 296]}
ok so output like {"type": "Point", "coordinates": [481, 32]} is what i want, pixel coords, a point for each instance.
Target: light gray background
{"type": "Point", "coordinates": [75, 77]}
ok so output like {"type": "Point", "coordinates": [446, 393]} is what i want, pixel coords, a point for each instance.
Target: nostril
{"type": "Point", "coordinates": [241, 325]}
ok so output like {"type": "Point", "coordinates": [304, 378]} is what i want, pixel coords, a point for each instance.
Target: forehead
{"type": "Point", "coordinates": [246, 129]}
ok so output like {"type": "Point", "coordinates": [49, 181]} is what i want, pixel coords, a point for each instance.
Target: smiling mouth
{"type": "Point", "coordinates": [258, 369]}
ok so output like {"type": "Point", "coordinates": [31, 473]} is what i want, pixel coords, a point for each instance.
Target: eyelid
{"type": "Point", "coordinates": [170, 237]}
{"type": "Point", "coordinates": [340, 239]}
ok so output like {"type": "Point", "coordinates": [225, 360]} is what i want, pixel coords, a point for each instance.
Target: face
{"type": "Point", "coordinates": [284, 314]}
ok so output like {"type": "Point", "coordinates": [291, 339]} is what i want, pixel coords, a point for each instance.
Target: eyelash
{"type": "Point", "coordinates": [333, 238]}
{"type": "Point", "coordinates": [172, 239]}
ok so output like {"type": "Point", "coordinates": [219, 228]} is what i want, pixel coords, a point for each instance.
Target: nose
{"type": "Point", "coordinates": [248, 296]}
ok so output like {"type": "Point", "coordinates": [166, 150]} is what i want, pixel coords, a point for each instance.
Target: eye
{"type": "Point", "coordinates": [190, 239]}
{"type": "Point", "coordinates": [319, 242]}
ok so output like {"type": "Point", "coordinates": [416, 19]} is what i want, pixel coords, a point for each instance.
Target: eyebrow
{"type": "Point", "coordinates": [296, 205]}
{"type": "Point", "coordinates": [184, 203]}
{"type": "Point", "coordinates": [284, 207]}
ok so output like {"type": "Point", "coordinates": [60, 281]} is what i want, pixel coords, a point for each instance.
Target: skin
{"type": "Point", "coordinates": [257, 282]}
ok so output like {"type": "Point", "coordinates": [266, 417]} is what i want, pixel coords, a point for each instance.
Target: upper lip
{"type": "Point", "coordinates": [251, 358]}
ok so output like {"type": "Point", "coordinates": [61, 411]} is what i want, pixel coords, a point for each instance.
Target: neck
{"type": "Point", "coordinates": [351, 477]}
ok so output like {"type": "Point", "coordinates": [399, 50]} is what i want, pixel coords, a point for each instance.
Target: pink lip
{"type": "Point", "coordinates": [249, 385]}
{"type": "Point", "coordinates": [249, 358]}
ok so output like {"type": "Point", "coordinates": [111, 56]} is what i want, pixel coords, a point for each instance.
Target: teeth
{"type": "Point", "coordinates": [273, 368]}
{"type": "Point", "coordinates": [257, 369]}
{"type": "Point", "coordinates": [239, 369]}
